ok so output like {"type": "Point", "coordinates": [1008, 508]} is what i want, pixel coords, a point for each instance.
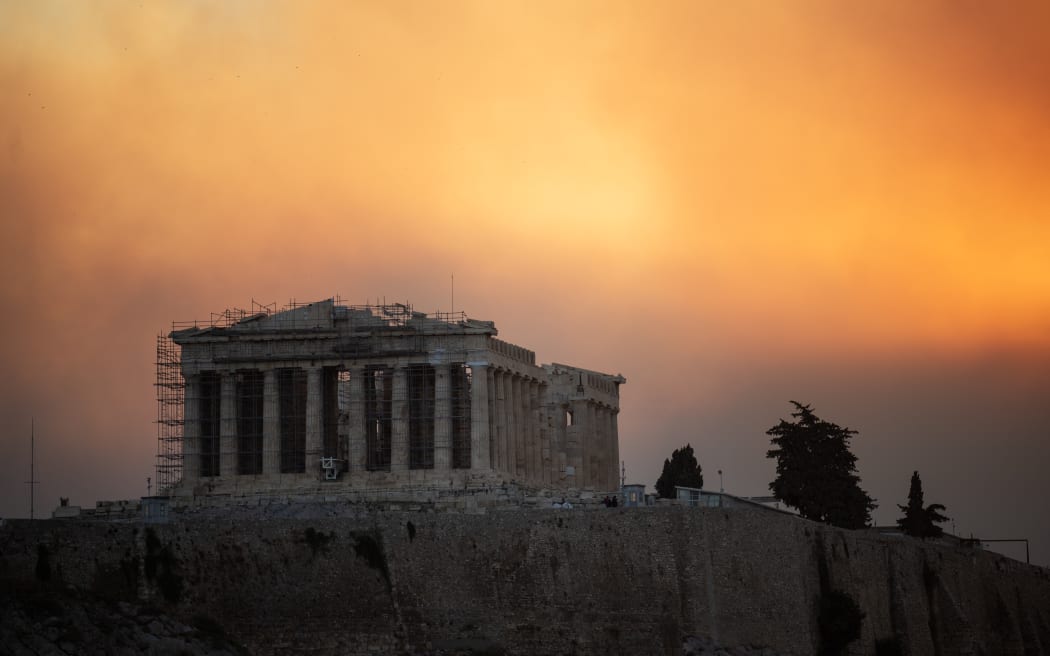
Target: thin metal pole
{"type": "Point", "coordinates": [32, 467]}
{"type": "Point", "coordinates": [1025, 540]}
{"type": "Point", "coordinates": [32, 464]}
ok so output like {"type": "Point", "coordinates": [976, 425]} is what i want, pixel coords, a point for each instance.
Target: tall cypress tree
{"type": "Point", "coordinates": [682, 469]}
{"type": "Point", "coordinates": [920, 521]}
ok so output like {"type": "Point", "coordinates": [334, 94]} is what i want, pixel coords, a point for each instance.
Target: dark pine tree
{"type": "Point", "coordinates": [920, 521]}
{"type": "Point", "coordinates": [682, 469]}
{"type": "Point", "coordinates": [816, 472]}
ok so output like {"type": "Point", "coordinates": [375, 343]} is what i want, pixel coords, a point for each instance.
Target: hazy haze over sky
{"type": "Point", "coordinates": [731, 204]}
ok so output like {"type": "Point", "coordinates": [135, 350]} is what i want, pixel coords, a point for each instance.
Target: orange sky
{"type": "Point", "coordinates": [732, 204]}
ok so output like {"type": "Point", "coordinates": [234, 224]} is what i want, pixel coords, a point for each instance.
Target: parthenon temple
{"type": "Point", "coordinates": [378, 397]}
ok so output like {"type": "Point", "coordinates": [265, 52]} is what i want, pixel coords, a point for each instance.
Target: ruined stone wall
{"type": "Point", "coordinates": [606, 581]}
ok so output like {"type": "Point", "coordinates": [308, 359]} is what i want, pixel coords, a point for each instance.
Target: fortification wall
{"type": "Point", "coordinates": [608, 581]}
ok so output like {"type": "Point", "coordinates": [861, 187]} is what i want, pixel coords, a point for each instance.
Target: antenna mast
{"type": "Point", "coordinates": [32, 482]}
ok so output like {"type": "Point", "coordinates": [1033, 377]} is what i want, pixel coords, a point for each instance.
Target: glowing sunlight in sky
{"type": "Point", "coordinates": [731, 204]}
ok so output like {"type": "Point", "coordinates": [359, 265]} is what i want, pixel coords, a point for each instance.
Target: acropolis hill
{"type": "Point", "coordinates": [528, 581]}
{"type": "Point", "coordinates": [372, 480]}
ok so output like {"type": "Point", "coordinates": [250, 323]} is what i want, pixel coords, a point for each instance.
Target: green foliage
{"type": "Point", "coordinates": [370, 548]}
{"type": "Point", "coordinates": [129, 568]}
{"type": "Point", "coordinates": [920, 521]}
{"type": "Point", "coordinates": [816, 472]}
{"type": "Point", "coordinates": [839, 620]}
{"type": "Point", "coordinates": [317, 540]}
{"type": "Point", "coordinates": [681, 470]}
{"type": "Point", "coordinates": [160, 565]}
{"type": "Point", "coordinates": [153, 547]}
{"type": "Point", "coordinates": [43, 563]}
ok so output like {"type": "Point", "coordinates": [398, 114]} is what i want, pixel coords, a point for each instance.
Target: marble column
{"type": "Point", "coordinates": [399, 421]}
{"type": "Point", "coordinates": [543, 421]}
{"type": "Point", "coordinates": [516, 423]}
{"type": "Point", "coordinates": [479, 411]}
{"type": "Point", "coordinates": [578, 442]}
{"type": "Point", "coordinates": [594, 436]}
{"type": "Point", "coordinates": [271, 424]}
{"type": "Point", "coordinates": [559, 445]}
{"type": "Point", "coordinates": [314, 420]}
{"type": "Point", "coordinates": [523, 429]}
{"type": "Point", "coordinates": [535, 449]}
{"type": "Point", "coordinates": [594, 445]}
{"type": "Point", "coordinates": [513, 404]}
{"type": "Point", "coordinates": [358, 450]}
{"type": "Point", "coordinates": [191, 429]}
{"type": "Point", "coordinates": [495, 448]}
{"type": "Point", "coordinates": [561, 460]}
{"type": "Point", "coordinates": [526, 427]}
{"type": "Point", "coordinates": [608, 466]}
{"type": "Point", "coordinates": [606, 460]}
{"type": "Point", "coordinates": [442, 417]}
{"type": "Point", "coordinates": [506, 427]}
{"type": "Point", "coordinates": [596, 440]}
{"type": "Point", "coordinates": [501, 422]}
{"type": "Point", "coordinates": [228, 425]}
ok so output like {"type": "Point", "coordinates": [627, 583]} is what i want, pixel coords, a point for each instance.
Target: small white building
{"type": "Point", "coordinates": [633, 496]}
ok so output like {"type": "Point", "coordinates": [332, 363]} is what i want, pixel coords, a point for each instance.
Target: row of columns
{"type": "Point", "coordinates": [519, 435]}
{"type": "Point", "coordinates": [356, 430]}
{"type": "Point", "coordinates": [594, 445]}
{"type": "Point", "coordinates": [535, 443]}
{"type": "Point", "coordinates": [510, 429]}
{"type": "Point", "coordinates": [228, 435]}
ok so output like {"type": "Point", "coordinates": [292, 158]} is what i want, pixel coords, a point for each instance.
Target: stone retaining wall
{"type": "Point", "coordinates": [583, 581]}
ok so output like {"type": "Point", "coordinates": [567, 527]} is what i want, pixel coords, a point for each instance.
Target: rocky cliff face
{"type": "Point", "coordinates": [631, 581]}
{"type": "Point", "coordinates": [55, 622]}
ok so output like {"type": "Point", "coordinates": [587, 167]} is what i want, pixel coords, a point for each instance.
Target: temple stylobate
{"type": "Point", "coordinates": [381, 397]}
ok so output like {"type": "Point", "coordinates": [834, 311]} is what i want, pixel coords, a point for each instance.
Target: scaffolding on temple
{"type": "Point", "coordinates": [171, 390]}
{"type": "Point", "coordinates": [171, 395]}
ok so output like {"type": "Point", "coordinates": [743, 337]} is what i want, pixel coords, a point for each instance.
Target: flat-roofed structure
{"type": "Point", "coordinates": [326, 395]}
